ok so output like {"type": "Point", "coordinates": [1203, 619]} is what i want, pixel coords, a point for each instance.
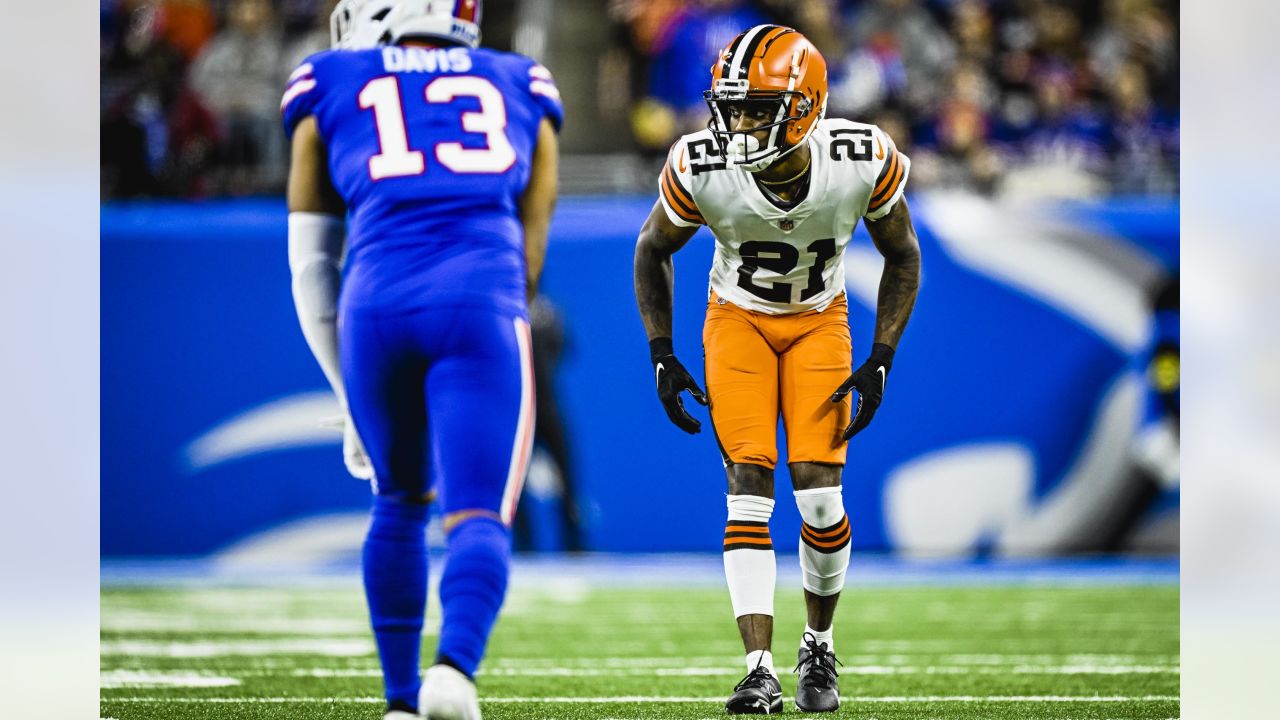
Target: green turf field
{"type": "Point", "coordinates": [572, 651]}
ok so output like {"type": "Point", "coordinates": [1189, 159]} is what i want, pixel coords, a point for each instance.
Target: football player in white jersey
{"type": "Point", "coordinates": [781, 189]}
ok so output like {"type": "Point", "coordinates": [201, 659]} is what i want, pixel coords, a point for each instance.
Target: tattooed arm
{"type": "Point", "coordinates": [654, 271]}
{"type": "Point", "coordinates": [895, 238]}
{"type": "Point", "coordinates": [655, 277]}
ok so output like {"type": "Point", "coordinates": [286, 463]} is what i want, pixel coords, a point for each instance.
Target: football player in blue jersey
{"type": "Point", "coordinates": [422, 181]}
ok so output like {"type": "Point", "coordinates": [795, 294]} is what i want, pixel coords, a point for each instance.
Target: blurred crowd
{"type": "Point", "coordinates": [191, 92]}
{"type": "Point", "coordinates": [1011, 97]}
{"type": "Point", "coordinates": [1045, 97]}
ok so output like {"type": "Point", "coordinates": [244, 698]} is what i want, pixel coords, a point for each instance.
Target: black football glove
{"type": "Point", "coordinates": [868, 380]}
{"type": "Point", "coordinates": [672, 379]}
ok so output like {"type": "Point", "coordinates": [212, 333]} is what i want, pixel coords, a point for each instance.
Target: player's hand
{"type": "Point", "coordinates": [869, 381]}
{"type": "Point", "coordinates": [353, 454]}
{"type": "Point", "coordinates": [672, 379]}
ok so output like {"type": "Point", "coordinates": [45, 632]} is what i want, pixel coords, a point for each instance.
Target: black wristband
{"type": "Point", "coordinates": [660, 347]}
{"type": "Point", "coordinates": [882, 354]}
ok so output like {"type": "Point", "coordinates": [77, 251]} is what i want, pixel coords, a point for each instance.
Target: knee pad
{"type": "Point", "coordinates": [824, 539]}
{"type": "Point", "coordinates": [749, 564]}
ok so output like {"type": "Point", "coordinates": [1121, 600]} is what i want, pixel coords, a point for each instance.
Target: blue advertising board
{"type": "Point", "coordinates": [1012, 400]}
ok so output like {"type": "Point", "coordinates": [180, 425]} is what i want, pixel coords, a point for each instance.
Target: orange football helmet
{"type": "Point", "coordinates": [773, 69]}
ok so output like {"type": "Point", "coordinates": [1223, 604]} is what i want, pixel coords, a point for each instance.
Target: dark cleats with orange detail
{"type": "Point", "coordinates": [758, 694]}
{"type": "Point", "coordinates": [817, 689]}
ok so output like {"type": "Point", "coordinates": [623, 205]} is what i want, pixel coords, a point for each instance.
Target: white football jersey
{"type": "Point", "coordinates": [778, 261]}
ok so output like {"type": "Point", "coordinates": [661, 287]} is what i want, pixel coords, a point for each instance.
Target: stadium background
{"type": "Point", "coordinates": [1020, 419]}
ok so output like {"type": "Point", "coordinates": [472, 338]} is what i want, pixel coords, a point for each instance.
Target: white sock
{"type": "Point", "coordinates": [750, 567]}
{"type": "Point", "coordinates": [822, 636]}
{"type": "Point", "coordinates": [758, 658]}
{"type": "Point", "coordinates": [824, 540]}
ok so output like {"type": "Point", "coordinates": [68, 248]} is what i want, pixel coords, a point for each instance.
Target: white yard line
{"type": "Point", "coordinates": [732, 671]}
{"type": "Point", "coordinates": [909, 659]}
{"type": "Point", "coordinates": [142, 679]}
{"type": "Point", "coordinates": [872, 699]}
{"type": "Point", "coordinates": [333, 647]}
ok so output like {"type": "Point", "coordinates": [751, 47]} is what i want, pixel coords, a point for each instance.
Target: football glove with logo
{"type": "Point", "coordinates": [672, 379]}
{"type": "Point", "coordinates": [869, 381]}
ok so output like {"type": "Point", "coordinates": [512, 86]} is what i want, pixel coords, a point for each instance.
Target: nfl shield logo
{"type": "Point", "coordinates": [786, 224]}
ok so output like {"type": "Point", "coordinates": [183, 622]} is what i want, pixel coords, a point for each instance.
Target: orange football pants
{"type": "Point", "coordinates": [759, 364]}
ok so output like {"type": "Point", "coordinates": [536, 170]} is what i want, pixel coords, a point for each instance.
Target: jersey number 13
{"type": "Point", "coordinates": [397, 160]}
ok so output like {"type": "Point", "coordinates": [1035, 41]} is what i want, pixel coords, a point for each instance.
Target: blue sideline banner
{"type": "Point", "coordinates": [1009, 423]}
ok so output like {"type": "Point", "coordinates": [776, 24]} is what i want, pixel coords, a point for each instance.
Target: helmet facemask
{"type": "Point", "coordinates": [743, 148]}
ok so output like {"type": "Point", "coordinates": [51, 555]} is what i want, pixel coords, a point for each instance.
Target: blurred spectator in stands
{"type": "Point", "coordinates": [307, 26]}
{"type": "Point", "coordinates": [973, 29]}
{"type": "Point", "coordinates": [1062, 151]}
{"type": "Point", "coordinates": [900, 53]}
{"type": "Point", "coordinates": [156, 135]}
{"type": "Point", "coordinates": [680, 70]}
{"type": "Point", "coordinates": [960, 156]}
{"type": "Point", "coordinates": [1138, 30]}
{"type": "Point", "coordinates": [1143, 142]}
{"type": "Point", "coordinates": [818, 20]}
{"type": "Point", "coordinates": [187, 25]}
{"type": "Point", "coordinates": [240, 74]}
{"type": "Point", "coordinates": [550, 437]}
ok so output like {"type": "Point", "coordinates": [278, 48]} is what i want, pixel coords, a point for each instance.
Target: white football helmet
{"type": "Point", "coordinates": [359, 24]}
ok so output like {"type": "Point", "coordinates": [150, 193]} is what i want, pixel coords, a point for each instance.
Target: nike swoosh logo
{"type": "Point", "coordinates": [681, 161]}
{"type": "Point", "coordinates": [883, 377]}
{"type": "Point", "coordinates": [657, 375]}
{"type": "Point", "coordinates": [879, 149]}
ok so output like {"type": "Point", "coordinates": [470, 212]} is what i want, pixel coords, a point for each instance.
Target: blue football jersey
{"type": "Point", "coordinates": [431, 150]}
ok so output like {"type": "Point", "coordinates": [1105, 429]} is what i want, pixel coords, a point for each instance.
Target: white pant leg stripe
{"type": "Point", "coordinates": [522, 447]}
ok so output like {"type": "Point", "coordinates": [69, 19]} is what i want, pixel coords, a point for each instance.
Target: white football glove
{"type": "Point", "coordinates": [353, 454]}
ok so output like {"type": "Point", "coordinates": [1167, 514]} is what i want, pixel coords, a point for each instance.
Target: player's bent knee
{"type": "Point", "coordinates": [810, 475]}
{"type": "Point", "coordinates": [824, 539]}
{"type": "Point", "coordinates": [750, 479]}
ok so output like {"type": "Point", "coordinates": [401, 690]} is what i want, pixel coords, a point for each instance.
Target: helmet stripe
{"type": "Point", "coordinates": [746, 50]}
{"type": "Point", "coordinates": [468, 10]}
{"type": "Point", "coordinates": [776, 36]}
{"type": "Point", "coordinates": [725, 61]}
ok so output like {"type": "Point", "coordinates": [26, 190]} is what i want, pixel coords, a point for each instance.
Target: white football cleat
{"type": "Point", "coordinates": [447, 694]}
{"type": "Point", "coordinates": [400, 715]}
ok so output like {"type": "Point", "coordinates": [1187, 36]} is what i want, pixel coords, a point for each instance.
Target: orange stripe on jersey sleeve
{"type": "Point", "coordinates": [889, 181]}
{"type": "Point", "coordinates": [679, 199]}
{"type": "Point", "coordinates": [678, 187]}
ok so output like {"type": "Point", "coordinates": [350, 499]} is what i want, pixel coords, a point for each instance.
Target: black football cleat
{"type": "Point", "coordinates": [758, 694]}
{"type": "Point", "coordinates": [817, 689]}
